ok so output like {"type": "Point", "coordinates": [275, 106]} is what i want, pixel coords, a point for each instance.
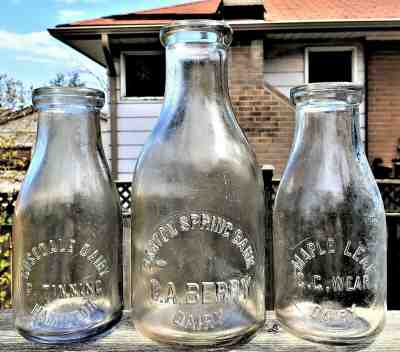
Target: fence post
{"type": "Point", "coordinates": [268, 172]}
{"type": "Point", "coordinates": [125, 198]}
{"type": "Point", "coordinates": [127, 260]}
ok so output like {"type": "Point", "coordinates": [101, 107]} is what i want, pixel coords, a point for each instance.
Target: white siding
{"type": "Point", "coordinates": [142, 109]}
{"type": "Point", "coordinates": [284, 67]}
{"type": "Point", "coordinates": [135, 120]}
{"type": "Point", "coordinates": [136, 123]}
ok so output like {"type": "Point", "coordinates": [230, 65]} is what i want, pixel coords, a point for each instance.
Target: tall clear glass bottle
{"type": "Point", "coordinates": [329, 224]}
{"type": "Point", "coordinates": [67, 225]}
{"type": "Point", "coordinates": [198, 211]}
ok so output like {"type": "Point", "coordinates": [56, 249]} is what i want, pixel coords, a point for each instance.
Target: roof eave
{"type": "Point", "coordinates": [65, 32]}
{"type": "Point", "coordinates": [239, 25]}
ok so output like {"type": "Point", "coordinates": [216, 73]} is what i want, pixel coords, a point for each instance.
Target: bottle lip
{"type": "Point", "coordinates": [200, 31]}
{"type": "Point", "coordinates": [68, 95]}
{"type": "Point", "coordinates": [342, 91]}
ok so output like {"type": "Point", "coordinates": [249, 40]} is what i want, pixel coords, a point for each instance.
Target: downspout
{"type": "Point", "coordinates": [112, 78]}
{"type": "Point", "coordinates": [366, 57]}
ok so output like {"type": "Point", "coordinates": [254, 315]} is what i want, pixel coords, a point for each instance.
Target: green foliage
{"type": "Point", "coordinates": [10, 161]}
{"type": "Point", "coordinates": [5, 264]}
{"type": "Point", "coordinates": [5, 267]}
{"type": "Point", "coordinates": [67, 80]}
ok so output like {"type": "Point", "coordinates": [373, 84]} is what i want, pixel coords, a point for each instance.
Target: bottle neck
{"type": "Point", "coordinates": [328, 131]}
{"type": "Point", "coordinates": [68, 133]}
{"type": "Point", "coordinates": [196, 74]}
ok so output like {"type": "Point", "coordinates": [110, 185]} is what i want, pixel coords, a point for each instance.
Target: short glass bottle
{"type": "Point", "coordinates": [198, 224]}
{"type": "Point", "coordinates": [67, 225]}
{"type": "Point", "coordinates": [329, 224]}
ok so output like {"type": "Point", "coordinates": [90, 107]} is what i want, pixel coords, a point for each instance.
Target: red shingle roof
{"type": "Point", "coordinates": [330, 10]}
{"type": "Point", "coordinates": [202, 7]}
{"type": "Point", "coordinates": [276, 11]}
{"type": "Point", "coordinates": [156, 16]}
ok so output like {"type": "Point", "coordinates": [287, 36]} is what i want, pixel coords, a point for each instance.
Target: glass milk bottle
{"type": "Point", "coordinates": [198, 211]}
{"type": "Point", "coordinates": [329, 224]}
{"type": "Point", "coordinates": [67, 225]}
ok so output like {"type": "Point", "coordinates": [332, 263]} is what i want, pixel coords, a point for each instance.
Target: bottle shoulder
{"type": "Point", "coordinates": [166, 160]}
{"type": "Point", "coordinates": [353, 192]}
{"type": "Point", "coordinates": [48, 187]}
{"type": "Point", "coordinates": [170, 146]}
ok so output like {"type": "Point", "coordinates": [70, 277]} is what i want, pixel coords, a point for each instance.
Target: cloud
{"type": "Point", "coordinates": [41, 48]}
{"type": "Point", "coordinates": [70, 15]}
{"type": "Point", "coordinates": [39, 44]}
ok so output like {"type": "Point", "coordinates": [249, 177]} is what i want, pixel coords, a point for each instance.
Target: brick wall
{"type": "Point", "coordinates": [264, 114]}
{"type": "Point", "coordinates": [383, 104]}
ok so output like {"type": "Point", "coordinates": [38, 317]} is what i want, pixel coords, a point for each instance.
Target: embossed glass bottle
{"type": "Point", "coordinates": [67, 225]}
{"type": "Point", "coordinates": [198, 211]}
{"type": "Point", "coordinates": [329, 224]}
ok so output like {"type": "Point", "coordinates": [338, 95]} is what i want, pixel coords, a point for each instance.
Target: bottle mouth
{"type": "Point", "coordinates": [346, 92]}
{"type": "Point", "coordinates": [197, 32]}
{"type": "Point", "coordinates": [56, 96]}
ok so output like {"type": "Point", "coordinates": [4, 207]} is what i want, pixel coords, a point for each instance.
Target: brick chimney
{"type": "Point", "coordinates": [243, 9]}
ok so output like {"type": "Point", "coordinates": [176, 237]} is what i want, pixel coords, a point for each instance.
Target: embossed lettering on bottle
{"type": "Point", "coordinates": [227, 290]}
{"type": "Point", "coordinates": [42, 294]}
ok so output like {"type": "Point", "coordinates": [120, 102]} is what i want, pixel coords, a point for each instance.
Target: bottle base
{"type": "Point", "coordinates": [80, 336]}
{"type": "Point", "coordinates": [213, 341]}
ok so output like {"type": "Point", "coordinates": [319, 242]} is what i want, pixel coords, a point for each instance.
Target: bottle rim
{"type": "Point", "coordinates": [67, 95]}
{"type": "Point", "coordinates": [200, 31]}
{"type": "Point", "coordinates": [344, 91]}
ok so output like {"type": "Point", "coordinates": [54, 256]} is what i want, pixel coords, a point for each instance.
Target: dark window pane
{"type": "Point", "coordinates": [329, 66]}
{"type": "Point", "coordinates": [145, 75]}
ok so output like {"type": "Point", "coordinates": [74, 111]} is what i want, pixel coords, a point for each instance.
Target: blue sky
{"type": "Point", "coordinates": [30, 54]}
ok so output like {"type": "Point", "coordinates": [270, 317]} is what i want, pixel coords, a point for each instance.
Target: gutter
{"type": "Point", "coordinates": [238, 26]}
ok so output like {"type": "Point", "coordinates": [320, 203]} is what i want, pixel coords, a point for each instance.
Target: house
{"type": "Point", "coordinates": [277, 44]}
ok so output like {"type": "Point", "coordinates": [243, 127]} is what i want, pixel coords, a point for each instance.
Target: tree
{"type": "Point", "coordinates": [13, 94]}
{"type": "Point", "coordinates": [67, 80]}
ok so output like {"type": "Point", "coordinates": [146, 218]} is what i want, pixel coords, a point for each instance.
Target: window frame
{"type": "Point", "coordinates": [354, 59]}
{"type": "Point", "coordinates": [122, 77]}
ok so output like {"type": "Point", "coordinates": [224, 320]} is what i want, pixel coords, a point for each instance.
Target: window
{"type": "Point", "coordinates": [142, 74]}
{"type": "Point", "coordinates": [330, 64]}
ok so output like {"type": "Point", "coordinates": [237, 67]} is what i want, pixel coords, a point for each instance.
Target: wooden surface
{"type": "Point", "coordinates": [271, 338]}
